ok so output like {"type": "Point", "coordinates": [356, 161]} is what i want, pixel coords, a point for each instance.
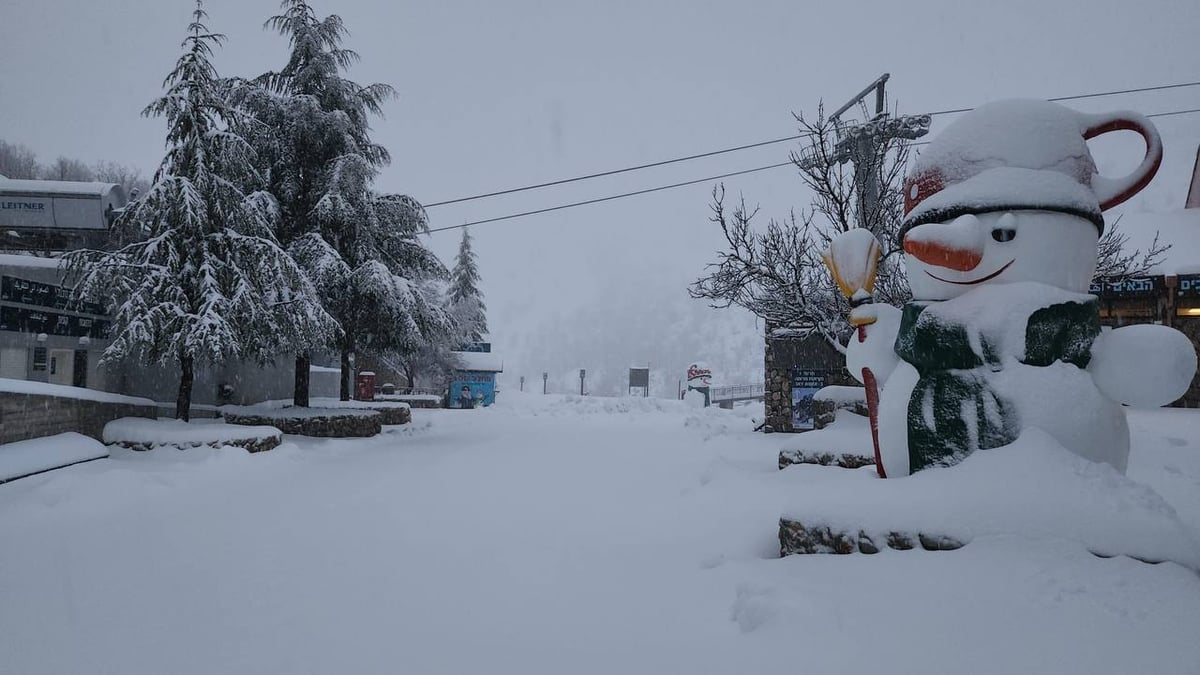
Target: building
{"type": "Point", "coordinates": [1170, 293]}
{"type": "Point", "coordinates": [45, 337]}
{"type": "Point", "coordinates": [475, 378]}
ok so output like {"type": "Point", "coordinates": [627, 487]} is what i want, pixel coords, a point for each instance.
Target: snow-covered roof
{"type": "Point", "coordinates": [58, 187]}
{"type": "Point", "coordinates": [13, 260]}
{"type": "Point", "coordinates": [481, 361]}
{"type": "Point", "coordinates": [1179, 228]}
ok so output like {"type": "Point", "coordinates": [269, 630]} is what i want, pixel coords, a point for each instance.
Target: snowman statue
{"type": "Point", "coordinates": [1003, 212]}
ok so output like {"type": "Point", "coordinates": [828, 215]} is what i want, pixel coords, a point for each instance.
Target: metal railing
{"type": "Point", "coordinates": [737, 392]}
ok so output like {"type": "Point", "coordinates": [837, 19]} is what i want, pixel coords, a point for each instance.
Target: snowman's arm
{"type": "Point", "coordinates": [873, 344]}
{"type": "Point", "coordinates": [1144, 366]}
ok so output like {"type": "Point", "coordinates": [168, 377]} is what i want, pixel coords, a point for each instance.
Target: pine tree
{"type": "Point", "coordinates": [466, 299]}
{"type": "Point", "coordinates": [204, 279]}
{"type": "Point", "coordinates": [360, 248]}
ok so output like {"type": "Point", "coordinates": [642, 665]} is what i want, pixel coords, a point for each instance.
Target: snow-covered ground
{"type": "Point", "coordinates": [550, 535]}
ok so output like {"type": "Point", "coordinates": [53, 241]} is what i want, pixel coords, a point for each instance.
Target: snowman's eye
{"type": "Point", "coordinates": [1003, 234]}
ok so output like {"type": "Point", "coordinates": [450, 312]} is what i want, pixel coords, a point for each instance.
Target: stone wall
{"type": "Point", "coordinates": [24, 416]}
{"type": "Point", "coordinates": [335, 424]}
{"type": "Point", "coordinates": [784, 351]}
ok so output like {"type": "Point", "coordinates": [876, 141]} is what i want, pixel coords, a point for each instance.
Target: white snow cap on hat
{"type": "Point", "coordinates": [1023, 154]}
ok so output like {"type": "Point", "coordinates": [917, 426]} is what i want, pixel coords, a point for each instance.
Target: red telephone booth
{"type": "Point", "coordinates": [364, 386]}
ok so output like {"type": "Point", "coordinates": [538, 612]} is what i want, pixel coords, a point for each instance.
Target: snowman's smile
{"type": "Point", "coordinates": [993, 275]}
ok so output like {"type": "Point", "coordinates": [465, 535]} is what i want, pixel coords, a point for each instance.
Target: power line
{"type": "Point", "coordinates": [1161, 114]}
{"type": "Point", "coordinates": [609, 198]}
{"type": "Point", "coordinates": [748, 146]}
{"type": "Point", "coordinates": [672, 186]}
{"type": "Point", "coordinates": [1076, 97]}
{"type": "Point", "coordinates": [614, 172]}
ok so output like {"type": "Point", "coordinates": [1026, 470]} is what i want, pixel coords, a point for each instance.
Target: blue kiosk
{"type": "Point", "coordinates": [474, 384]}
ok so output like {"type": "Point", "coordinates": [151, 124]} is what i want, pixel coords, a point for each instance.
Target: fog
{"type": "Point", "coordinates": [500, 95]}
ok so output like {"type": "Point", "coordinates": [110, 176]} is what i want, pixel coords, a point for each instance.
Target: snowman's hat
{"type": "Point", "coordinates": [1023, 154]}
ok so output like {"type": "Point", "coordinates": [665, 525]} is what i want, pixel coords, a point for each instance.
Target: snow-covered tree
{"type": "Point", "coordinates": [203, 279]}
{"type": "Point", "coordinates": [466, 300]}
{"type": "Point", "coordinates": [778, 273]}
{"type": "Point", "coordinates": [369, 267]}
{"type": "Point", "coordinates": [18, 161]}
{"type": "Point", "coordinates": [360, 248]}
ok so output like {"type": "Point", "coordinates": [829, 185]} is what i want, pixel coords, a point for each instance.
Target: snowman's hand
{"type": "Point", "coordinates": [865, 315]}
{"type": "Point", "coordinates": [1144, 366]}
{"type": "Point", "coordinates": [872, 344]}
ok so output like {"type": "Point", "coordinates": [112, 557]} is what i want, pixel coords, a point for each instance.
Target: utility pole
{"type": "Point", "coordinates": [861, 144]}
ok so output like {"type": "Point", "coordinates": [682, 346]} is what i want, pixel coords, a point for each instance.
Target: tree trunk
{"type": "Point", "coordinates": [347, 372]}
{"type": "Point", "coordinates": [300, 394]}
{"type": "Point", "coordinates": [183, 404]}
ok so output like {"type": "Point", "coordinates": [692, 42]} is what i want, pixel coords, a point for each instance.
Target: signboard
{"type": "Point", "coordinates": [1189, 286]}
{"type": "Point", "coordinates": [477, 347]}
{"type": "Point", "coordinates": [699, 376]}
{"type": "Point", "coordinates": [27, 320]}
{"type": "Point", "coordinates": [639, 377]}
{"type": "Point", "coordinates": [25, 292]}
{"type": "Point", "coordinates": [473, 390]}
{"type": "Point", "coordinates": [1137, 287]}
{"type": "Point", "coordinates": [806, 382]}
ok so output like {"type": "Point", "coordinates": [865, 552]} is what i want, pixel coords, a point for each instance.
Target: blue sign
{"type": "Point", "coordinates": [473, 389]}
{"type": "Point", "coordinates": [1189, 285]}
{"type": "Point", "coordinates": [806, 383]}
{"type": "Point", "coordinates": [1125, 288]}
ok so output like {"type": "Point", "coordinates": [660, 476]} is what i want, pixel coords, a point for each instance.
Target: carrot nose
{"type": "Point", "coordinates": [957, 246]}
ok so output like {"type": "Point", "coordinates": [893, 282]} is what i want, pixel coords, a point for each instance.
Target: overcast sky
{"type": "Point", "coordinates": [502, 94]}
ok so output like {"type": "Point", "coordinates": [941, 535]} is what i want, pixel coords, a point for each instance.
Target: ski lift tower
{"type": "Point", "coordinates": [863, 144]}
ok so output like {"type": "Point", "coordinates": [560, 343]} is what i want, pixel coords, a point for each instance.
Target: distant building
{"type": "Point", "coordinates": [1170, 294]}
{"type": "Point", "coordinates": [44, 337]}
{"type": "Point", "coordinates": [474, 382]}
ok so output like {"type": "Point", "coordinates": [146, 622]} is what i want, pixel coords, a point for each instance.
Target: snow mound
{"type": "Point", "coordinates": [841, 394]}
{"type": "Point", "coordinates": [41, 454]}
{"type": "Point", "coordinates": [1032, 488]}
{"type": "Point", "coordinates": [162, 432]}
{"type": "Point", "coordinates": [587, 406]}
{"type": "Point", "coordinates": [849, 433]}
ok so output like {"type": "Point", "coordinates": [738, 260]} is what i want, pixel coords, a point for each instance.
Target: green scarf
{"type": "Point", "coordinates": [953, 410]}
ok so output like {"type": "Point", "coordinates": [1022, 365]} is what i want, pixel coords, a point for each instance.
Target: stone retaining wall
{"type": "Point", "coordinates": [796, 538]}
{"type": "Point", "coordinates": [333, 425]}
{"type": "Point", "coordinates": [249, 444]}
{"type": "Point", "coordinates": [25, 416]}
